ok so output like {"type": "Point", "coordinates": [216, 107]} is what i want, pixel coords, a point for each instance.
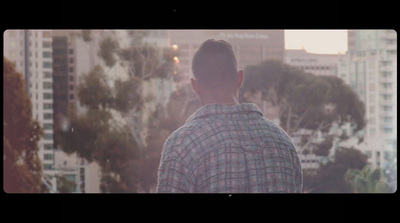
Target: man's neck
{"type": "Point", "coordinates": [214, 99]}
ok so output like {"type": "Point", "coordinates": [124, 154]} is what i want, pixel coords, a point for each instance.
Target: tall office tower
{"type": "Point", "coordinates": [31, 50]}
{"type": "Point", "coordinates": [64, 97]}
{"type": "Point", "coordinates": [370, 68]}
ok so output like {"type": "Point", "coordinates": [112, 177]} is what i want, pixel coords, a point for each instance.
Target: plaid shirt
{"type": "Point", "coordinates": [229, 149]}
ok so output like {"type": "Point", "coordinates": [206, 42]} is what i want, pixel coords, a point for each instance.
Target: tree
{"type": "Point", "coordinates": [330, 178]}
{"type": "Point", "coordinates": [64, 185]}
{"type": "Point", "coordinates": [308, 105]}
{"type": "Point", "coordinates": [304, 100]}
{"type": "Point", "coordinates": [22, 166]}
{"type": "Point", "coordinates": [367, 180]}
{"type": "Point", "coordinates": [110, 131]}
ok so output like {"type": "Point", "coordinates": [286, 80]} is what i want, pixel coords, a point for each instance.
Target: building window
{"type": "Point", "coordinates": [46, 44]}
{"type": "Point", "coordinates": [71, 87]}
{"type": "Point", "coordinates": [387, 108]}
{"type": "Point", "coordinates": [372, 109]}
{"type": "Point", "coordinates": [387, 74]}
{"type": "Point", "coordinates": [71, 51]}
{"type": "Point", "coordinates": [387, 130]}
{"type": "Point", "coordinates": [372, 121]}
{"type": "Point", "coordinates": [48, 146]}
{"type": "Point", "coordinates": [48, 126]}
{"type": "Point", "coordinates": [47, 85]}
{"type": "Point", "coordinates": [46, 54]}
{"type": "Point", "coordinates": [48, 156]}
{"type": "Point", "coordinates": [387, 85]}
{"type": "Point", "coordinates": [71, 69]}
{"type": "Point", "coordinates": [47, 115]}
{"type": "Point", "coordinates": [71, 78]}
{"type": "Point", "coordinates": [48, 166]}
{"type": "Point", "coordinates": [47, 64]}
{"type": "Point", "coordinates": [70, 177]}
{"type": "Point", "coordinates": [47, 106]}
{"type": "Point", "coordinates": [71, 97]}
{"type": "Point", "coordinates": [387, 96]}
{"type": "Point", "coordinates": [47, 96]}
{"type": "Point", "coordinates": [71, 60]}
{"type": "Point", "coordinates": [387, 119]}
{"type": "Point", "coordinates": [47, 75]}
{"type": "Point", "coordinates": [46, 34]}
{"type": "Point", "coordinates": [48, 136]}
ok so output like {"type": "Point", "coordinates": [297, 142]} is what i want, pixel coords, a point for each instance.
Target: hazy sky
{"type": "Point", "coordinates": [317, 41]}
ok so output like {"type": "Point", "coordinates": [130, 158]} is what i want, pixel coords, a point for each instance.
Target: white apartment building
{"type": "Point", "coordinates": [31, 50]}
{"type": "Point", "coordinates": [370, 68]}
{"type": "Point", "coordinates": [318, 64]}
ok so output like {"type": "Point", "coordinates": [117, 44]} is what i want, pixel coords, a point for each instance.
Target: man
{"type": "Point", "coordinates": [226, 147]}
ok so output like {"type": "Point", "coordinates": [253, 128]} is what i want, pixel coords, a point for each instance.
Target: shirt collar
{"type": "Point", "coordinates": [221, 109]}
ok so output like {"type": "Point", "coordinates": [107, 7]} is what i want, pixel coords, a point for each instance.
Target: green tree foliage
{"type": "Point", "coordinates": [64, 185]}
{"type": "Point", "coordinates": [22, 166]}
{"type": "Point", "coordinates": [107, 49]}
{"type": "Point", "coordinates": [330, 178]}
{"type": "Point", "coordinates": [86, 35]}
{"type": "Point", "coordinates": [302, 97]}
{"type": "Point", "coordinates": [109, 131]}
{"type": "Point", "coordinates": [367, 180]}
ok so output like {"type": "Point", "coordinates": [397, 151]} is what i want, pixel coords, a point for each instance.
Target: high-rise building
{"type": "Point", "coordinates": [370, 68]}
{"type": "Point", "coordinates": [31, 50]}
{"type": "Point", "coordinates": [318, 64]}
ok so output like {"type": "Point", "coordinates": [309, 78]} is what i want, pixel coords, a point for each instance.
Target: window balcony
{"type": "Point", "coordinates": [391, 46]}
{"type": "Point", "coordinates": [385, 68]}
{"type": "Point", "coordinates": [386, 102]}
{"type": "Point", "coordinates": [386, 90]}
{"type": "Point", "coordinates": [386, 80]}
{"type": "Point", "coordinates": [383, 113]}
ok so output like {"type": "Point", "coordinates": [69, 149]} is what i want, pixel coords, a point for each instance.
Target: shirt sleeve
{"type": "Point", "coordinates": [172, 173]}
{"type": "Point", "coordinates": [298, 174]}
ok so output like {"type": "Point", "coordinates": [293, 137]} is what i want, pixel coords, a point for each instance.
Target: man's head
{"type": "Point", "coordinates": [214, 68]}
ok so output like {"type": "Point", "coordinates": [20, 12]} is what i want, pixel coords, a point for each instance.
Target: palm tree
{"type": "Point", "coordinates": [367, 180]}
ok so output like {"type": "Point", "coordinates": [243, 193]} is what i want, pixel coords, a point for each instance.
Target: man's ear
{"type": "Point", "coordinates": [240, 79]}
{"type": "Point", "coordinates": [195, 86]}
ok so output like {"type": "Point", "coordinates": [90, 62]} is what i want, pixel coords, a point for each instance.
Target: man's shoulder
{"type": "Point", "coordinates": [181, 138]}
{"type": "Point", "coordinates": [279, 133]}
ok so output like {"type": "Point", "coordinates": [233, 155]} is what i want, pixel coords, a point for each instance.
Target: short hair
{"type": "Point", "coordinates": [214, 63]}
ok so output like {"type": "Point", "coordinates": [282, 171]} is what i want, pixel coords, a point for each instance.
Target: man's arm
{"type": "Point", "coordinates": [298, 174]}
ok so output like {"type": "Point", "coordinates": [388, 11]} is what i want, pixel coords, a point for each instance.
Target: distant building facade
{"type": "Point", "coordinates": [318, 64]}
{"type": "Point", "coordinates": [31, 51]}
{"type": "Point", "coordinates": [370, 68]}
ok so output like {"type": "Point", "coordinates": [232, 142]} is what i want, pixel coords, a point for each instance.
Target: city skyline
{"type": "Point", "coordinates": [365, 60]}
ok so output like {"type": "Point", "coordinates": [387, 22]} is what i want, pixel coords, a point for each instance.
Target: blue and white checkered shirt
{"type": "Point", "coordinates": [229, 149]}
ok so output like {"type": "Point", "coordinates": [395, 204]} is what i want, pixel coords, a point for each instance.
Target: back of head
{"type": "Point", "coordinates": [214, 64]}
